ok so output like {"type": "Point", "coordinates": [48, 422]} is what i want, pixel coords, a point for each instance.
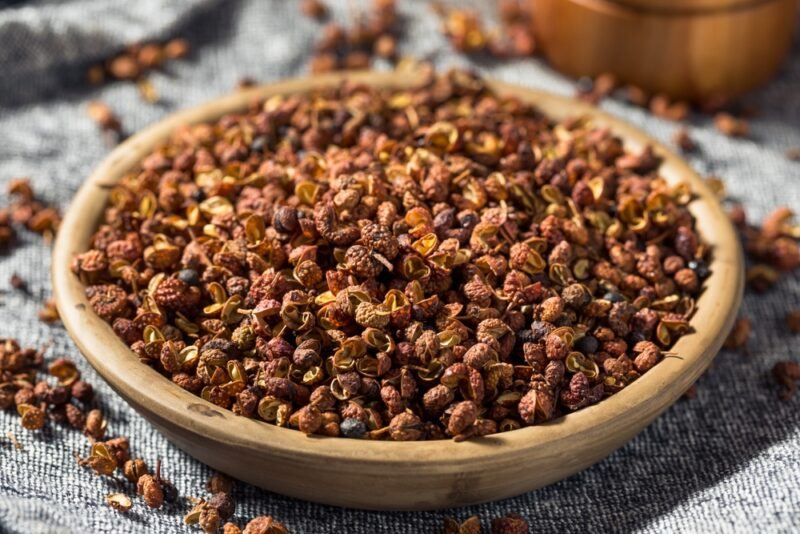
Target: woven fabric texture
{"type": "Point", "coordinates": [724, 461]}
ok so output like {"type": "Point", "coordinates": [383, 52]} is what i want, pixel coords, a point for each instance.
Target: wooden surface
{"type": "Point", "coordinates": [688, 49]}
{"type": "Point", "coordinates": [392, 475]}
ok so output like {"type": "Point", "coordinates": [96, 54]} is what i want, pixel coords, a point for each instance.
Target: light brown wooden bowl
{"type": "Point", "coordinates": [392, 475]}
{"type": "Point", "coordinates": [688, 49]}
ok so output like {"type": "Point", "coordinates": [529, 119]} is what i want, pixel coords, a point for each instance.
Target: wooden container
{"type": "Point", "coordinates": [379, 474]}
{"type": "Point", "coordinates": [688, 49]}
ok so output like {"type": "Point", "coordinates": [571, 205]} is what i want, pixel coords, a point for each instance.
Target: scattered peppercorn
{"type": "Point", "coordinates": [264, 524]}
{"type": "Point", "coordinates": [683, 141]}
{"type": "Point", "coordinates": [48, 312]}
{"type": "Point", "coordinates": [19, 283]}
{"type": "Point", "coordinates": [793, 321]}
{"type": "Point", "coordinates": [786, 374]}
{"type": "Point", "coordinates": [119, 502]}
{"type": "Point", "coordinates": [148, 487]}
{"type": "Point", "coordinates": [471, 525]}
{"type": "Point", "coordinates": [102, 114]}
{"type": "Point", "coordinates": [219, 483]}
{"type": "Point", "coordinates": [739, 334]}
{"type": "Point", "coordinates": [26, 210]}
{"type": "Point", "coordinates": [134, 469]}
{"type": "Point", "coordinates": [509, 524]}
{"type": "Point", "coordinates": [224, 504]}
{"type": "Point", "coordinates": [730, 125]}
{"type": "Point", "coordinates": [32, 417]}
{"type": "Point", "coordinates": [772, 247]}
{"type": "Point", "coordinates": [314, 9]}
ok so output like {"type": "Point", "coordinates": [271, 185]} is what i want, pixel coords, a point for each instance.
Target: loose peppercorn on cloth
{"type": "Point", "coordinates": [727, 460]}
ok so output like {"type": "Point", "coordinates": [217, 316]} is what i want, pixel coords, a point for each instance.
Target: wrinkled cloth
{"type": "Point", "coordinates": [724, 461]}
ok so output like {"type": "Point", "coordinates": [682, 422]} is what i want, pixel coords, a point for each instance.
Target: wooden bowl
{"type": "Point", "coordinates": [392, 475]}
{"type": "Point", "coordinates": [688, 49]}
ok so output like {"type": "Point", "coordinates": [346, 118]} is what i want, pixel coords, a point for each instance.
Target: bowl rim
{"type": "Point", "coordinates": [147, 390]}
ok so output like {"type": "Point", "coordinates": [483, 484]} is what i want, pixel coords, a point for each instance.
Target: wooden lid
{"type": "Point", "coordinates": [677, 7]}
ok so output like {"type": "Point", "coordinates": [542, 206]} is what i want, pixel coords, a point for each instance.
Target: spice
{"type": "Point", "coordinates": [786, 374]}
{"type": "Point", "coordinates": [471, 525]}
{"type": "Point", "coordinates": [662, 106]}
{"type": "Point", "coordinates": [219, 483]}
{"type": "Point", "coordinates": [314, 9]}
{"type": "Point", "coordinates": [408, 279]}
{"type": "Point", "coordinates": [26, 210]}
{"type": "Point", "coordinates": [246, 83]}
{"type": "Point", "coordinates": [739, 334]}
{"type": "Point", "coordinates": [147, 91]}
{"type": "Point", "coordinates": [151, 491]}
{"type": "Point", "coordinates": [683, 141]}
{"type": "Point", "coordinates": [14, 441]}
{"type": "Point", "coordinates": [730, 125]}
{"type": "Point", "coordinates": [373, 33]}
{"type": "Point", "coordinates": [133, 470]}
{"type": "Point", "coordinates": [509, 524]}
{"type": "Point", "coordinates": [119, 502]}
{"type": "Point", "coordinates": [31, 417]}
{"type": "Point", "coordinates": [49, 313]}
{"type": "Point", "coordinates": [593, 91]}
{"type": "Point", "coordinates": [772, 247]}
{"type": "Point", "coordinates": [42, 401]}
{"type": "Point", "coordinates": [18, 283]}
{"type": "Point", "coordinates": [264, 524]}
{"type": "Point", "coordinates": [105, 118]}
{"type": "Point", "coordinates": [177, 49]}
{"type": "Point", "coordinates": [793, 321]}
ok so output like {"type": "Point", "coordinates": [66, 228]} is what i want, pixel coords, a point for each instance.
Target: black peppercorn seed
{"type": "Point", "coordinates": [353, 428]}
{"type": "Point", "coordinates": [189, 276]}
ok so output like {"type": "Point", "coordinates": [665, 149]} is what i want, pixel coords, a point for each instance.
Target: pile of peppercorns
{"type": "Point", "coordinates": [405, 264]}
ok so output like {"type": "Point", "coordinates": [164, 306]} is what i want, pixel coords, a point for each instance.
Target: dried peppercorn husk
{"type": "Point", "coordinates": [48, 312]}
{"type": "Point", "coordinates": [730, 125]}
{"type": "Point", "coordinates": [793, 321]}
{"type": "Point", "coordinates": [119, 502]}
{"type": "Point", "coordinates": [684, 141]}
{"type": "Point", "coordinates": [26, 210]}
{"type": "Point", "coordinates": [264, 524]}
{"type": "Point", "coordinates": [739, 334]}
{"type": "Point", "coordinates": [103, 115]}
{"type": "Point", "coordinates": [471, 525]}
{"type": "Point", "coordinates": [509, 524]}
{"type": "Point", "coordinates": [397, 268]}
{"type": "Point", "coordinates": [314, 9]}
{"type": "Point", "coordinates": [773, 247]}
{"type": "Point", "coordinates": [786, 374]}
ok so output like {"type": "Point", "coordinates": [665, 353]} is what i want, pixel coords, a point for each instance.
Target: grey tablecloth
{"type": "Point", "coordinates": [727, 460]}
